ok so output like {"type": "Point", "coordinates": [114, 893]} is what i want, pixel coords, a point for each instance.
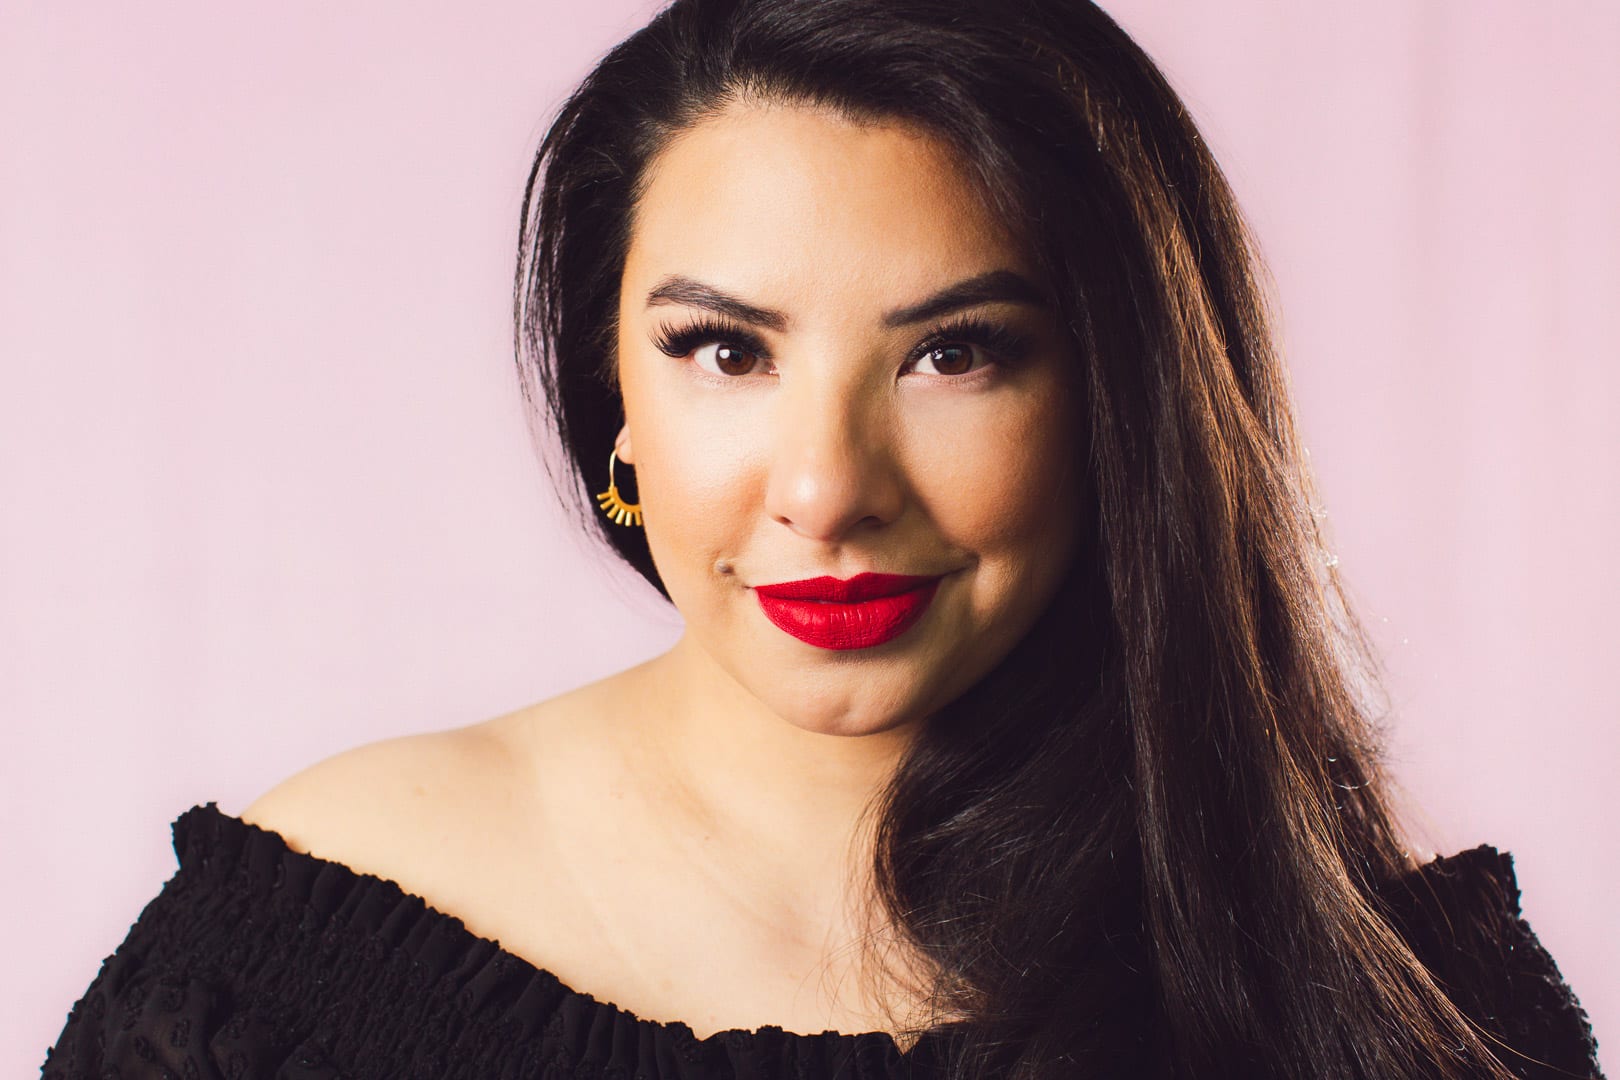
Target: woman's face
{"type": "Point", "coordinates": [887, 393]}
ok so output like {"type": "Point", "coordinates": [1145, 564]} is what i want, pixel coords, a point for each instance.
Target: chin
{"type": "Point", "coordinates": [846, 726]}
{"type": "Point", "coordinates": [846, 719]}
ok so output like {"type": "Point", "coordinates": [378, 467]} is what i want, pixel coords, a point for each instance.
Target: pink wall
{"type": "Point", "coordinates": [265, 490]}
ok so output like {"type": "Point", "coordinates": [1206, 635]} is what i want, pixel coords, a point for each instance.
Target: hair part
{"type": "Point", "coordinates": [1163, 812]}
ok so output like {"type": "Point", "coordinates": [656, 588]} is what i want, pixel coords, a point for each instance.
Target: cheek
{"type": "Point", "coordinates": [689, 502]}
{"type": "Point", "coordinates": [686, 479]}
{"type": "Point", "coordinates": [999, 485]}
{"type": "Point", "coordinates": [696, 480]}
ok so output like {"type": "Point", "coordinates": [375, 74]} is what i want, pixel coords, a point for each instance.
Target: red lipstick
{"type": "Point", "coordinates": [864, 611]}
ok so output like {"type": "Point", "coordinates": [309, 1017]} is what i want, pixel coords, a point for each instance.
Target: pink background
{"type": "Point", "coordinates": [265, 484]}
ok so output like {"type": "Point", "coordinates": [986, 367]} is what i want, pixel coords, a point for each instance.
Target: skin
{"type": "Point", "coordinates": [726, 778]}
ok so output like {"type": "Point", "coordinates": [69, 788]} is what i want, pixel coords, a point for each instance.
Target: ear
{"type": "Point", "coordinates": [621, 443]}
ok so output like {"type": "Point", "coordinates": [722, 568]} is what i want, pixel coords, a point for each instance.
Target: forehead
{"type": "Point", "coordinates": [799, 200]}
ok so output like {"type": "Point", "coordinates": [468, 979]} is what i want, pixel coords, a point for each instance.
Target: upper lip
{"type": "Point", "coordinates": [867, 586]}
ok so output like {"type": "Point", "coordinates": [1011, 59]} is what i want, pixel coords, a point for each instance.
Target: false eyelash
{"type": "Point", "coordinates": [678, 343]}
{"type": "Point", "coordinates": [1005, 345]}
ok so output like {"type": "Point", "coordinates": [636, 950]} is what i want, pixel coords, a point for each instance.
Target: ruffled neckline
{"type": "Point", "coordinates": [381, 926]}
{"type": "Point", "coordinates": [488, 982]}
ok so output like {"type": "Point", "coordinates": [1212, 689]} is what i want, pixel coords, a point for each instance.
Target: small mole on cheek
{"type": "Point", "coordinates": [722, 567]}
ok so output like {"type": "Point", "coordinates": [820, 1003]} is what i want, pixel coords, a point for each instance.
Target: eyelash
{"type": "Point", "coordinates": [709, 330]}
{"type": "Point", "coordinates": [1005, 345]}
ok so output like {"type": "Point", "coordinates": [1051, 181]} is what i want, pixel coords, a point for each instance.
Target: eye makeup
{"type": "Point", "coordinates": [1005, 345]}
{"type": "Point", "coordinates": [709, 330]}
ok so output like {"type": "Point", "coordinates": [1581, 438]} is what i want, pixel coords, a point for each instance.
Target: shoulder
{"type": "Point", "coordinates": [1461, 915]}
{"type": "Point", "coordinates": [372, 795]}
{"type": "Point", "coordinates": [432, 809]}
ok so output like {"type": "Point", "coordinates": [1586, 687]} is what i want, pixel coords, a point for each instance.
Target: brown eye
{"type": "Point", "coordinates": [722, 359]}
{"type": "Point", "coordinates": [953, 359]}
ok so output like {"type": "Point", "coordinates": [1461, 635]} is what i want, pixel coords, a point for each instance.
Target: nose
{"type": "Point", "coordinates": [833, 467]}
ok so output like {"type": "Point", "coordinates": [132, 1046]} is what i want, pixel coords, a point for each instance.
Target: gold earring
{"type": "Point", "coordinates": [621, 512]}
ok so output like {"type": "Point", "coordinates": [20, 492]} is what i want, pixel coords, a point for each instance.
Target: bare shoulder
{"type": "Point", "coordinates": [381, 794]}
{"type": "Point", "coordinates": [431, 811]}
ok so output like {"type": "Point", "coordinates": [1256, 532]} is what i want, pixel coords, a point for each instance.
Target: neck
{"type": "Point", "coordinates": [777, 814]}
{"type": "Point", "coordinates": [744, 775]}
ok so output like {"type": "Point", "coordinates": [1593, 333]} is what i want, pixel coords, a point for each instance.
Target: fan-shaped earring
{"type": "Point", "coordinates": [612, 504]}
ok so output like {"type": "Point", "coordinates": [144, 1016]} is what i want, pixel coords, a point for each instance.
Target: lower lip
{"type": "Point", "coordinates": [861, 625]}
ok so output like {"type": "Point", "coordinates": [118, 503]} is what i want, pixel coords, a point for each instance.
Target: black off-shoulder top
{"type": "Point", "coordinates": [259, 961]}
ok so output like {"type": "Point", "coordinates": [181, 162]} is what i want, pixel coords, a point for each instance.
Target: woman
{"type": "Point", "coordinates": [914, 351]}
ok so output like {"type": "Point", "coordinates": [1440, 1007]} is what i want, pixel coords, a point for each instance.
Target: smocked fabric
{"type": "Point", "coordinates": [256, 960]}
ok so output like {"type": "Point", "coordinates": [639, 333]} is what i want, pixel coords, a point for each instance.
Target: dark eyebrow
{"type": "Point", "coordinates": [990, 287]}
{"type": "Point", "coordinates": [994, 286]}
{"type": "Point", "coordinates": [684, 290]}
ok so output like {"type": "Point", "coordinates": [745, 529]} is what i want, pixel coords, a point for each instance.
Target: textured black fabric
{"type": "Point", "coordinates": [258, 961]}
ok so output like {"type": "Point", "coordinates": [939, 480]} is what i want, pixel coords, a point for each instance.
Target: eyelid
{"type": "Point", "coordinates": [678, 342]}
{"type": "Point", "coordinates": [1004, 344]}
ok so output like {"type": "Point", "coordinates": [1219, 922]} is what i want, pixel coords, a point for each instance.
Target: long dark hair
{"type": "Point", "coordinates": [1154, 840]}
